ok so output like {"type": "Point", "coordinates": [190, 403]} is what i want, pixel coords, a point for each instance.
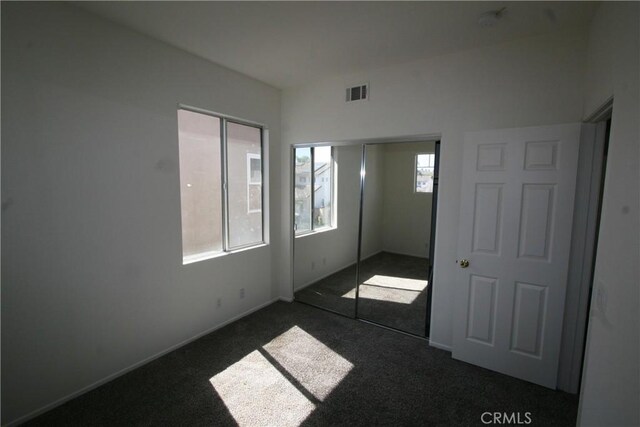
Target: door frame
{"type": "Point", "coordinates": [435, 137]}
{"type": "Point", "coordinates": [432, 236]}
{"type": "Point", "coordinates": [586, 219]}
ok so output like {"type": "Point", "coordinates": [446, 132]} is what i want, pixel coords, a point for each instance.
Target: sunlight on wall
{"type": "Point", "coordinates": [314, 365]}
{"type": "Point", "coordinates": [256, 393]}
{"type": "Point", "coordinates": [281, 383]}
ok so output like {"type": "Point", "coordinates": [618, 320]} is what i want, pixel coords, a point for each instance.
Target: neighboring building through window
{"type": "Point", "coordinates": [313, 188]}
{"type": "Point", "coordinates": [424, 173]}
{"type": "Point", "coordinates": [220, 184]}
{"type": "Point", "coordinates": [254, 183]}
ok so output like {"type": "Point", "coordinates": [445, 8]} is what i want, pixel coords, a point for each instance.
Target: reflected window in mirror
{"type": "Point", "coordinates": [425, 163]}
{"type": "Point", "coordinates": [302, 190]}
{"type": "Point", "coordinates": [314, 189]}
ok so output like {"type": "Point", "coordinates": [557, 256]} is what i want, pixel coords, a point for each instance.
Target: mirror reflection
{"type": "Point", "coordinates": [326, 214]}
{"type": "Point", "coordinates": [396, 228]}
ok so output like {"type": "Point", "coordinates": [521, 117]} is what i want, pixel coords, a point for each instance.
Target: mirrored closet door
{"type": "Point", "coordinates": [326, 194]}
{"type": "Point", "coordinates": [363, 219]}
{"type": "Point", "coordinates": [396, 227]}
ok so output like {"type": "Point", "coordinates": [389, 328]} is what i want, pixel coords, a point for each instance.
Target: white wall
{"type": "Point", "coordinates": [372, 209]}
{"type": "Point", "coordinates": [406, 227]}
{"type": "Point", "coordinates": [610, 389]}
{"type": "Point", "coordinates": [92, 274]}
{"type": "Point", "coordinates": [528, 82]}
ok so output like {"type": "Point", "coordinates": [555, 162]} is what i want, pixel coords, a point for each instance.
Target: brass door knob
{"type": "Point", "coordinates": [464, 263]}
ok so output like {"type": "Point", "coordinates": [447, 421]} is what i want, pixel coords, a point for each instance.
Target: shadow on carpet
{"type": "Point", "coordinates": [293, 365]}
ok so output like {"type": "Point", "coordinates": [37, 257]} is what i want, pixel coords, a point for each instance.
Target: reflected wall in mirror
{"type": "Point", "coordinates": [396, 218]}
{"type": "Point", "coordinates": [326, 214]}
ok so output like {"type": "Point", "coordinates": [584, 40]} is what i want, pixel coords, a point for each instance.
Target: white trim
{"type": "Point", "coordinates": [315, 231]}
{"type": "Point", "coordinates": [202, 256]}
{"type": "Point", "coordinates": [292, 218]}
{"type": "Point", "coordinates": [440, 346]}
{"type": "Point", "coordinates": [406, 254]}
{"type": "Point", "coordinates": [221, 116]}
{"type": "Point", "coordinates": [136, 365]}
{"type": "Point", "coordinates": [431, 137]}
{"type": "Point", "coordinates": [602, 113]}
{"type": "Point", "coordinates": [579, 279]}
{"type": "Point", "coordinates": [191, 259]}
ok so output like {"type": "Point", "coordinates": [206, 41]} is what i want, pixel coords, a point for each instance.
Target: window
{"type": "Point", "coordinates": [200, 183]}
{"type": "Point", "coordinates": [313, 188]}
{"type": "Point", "coordinates": [220, 184]}
{"type": "Point", "coordinates": [424, 173]}
{"type": "Point", "coordinates": [254, 183]}
{"type": "Point", "coordinates": [303, 190]}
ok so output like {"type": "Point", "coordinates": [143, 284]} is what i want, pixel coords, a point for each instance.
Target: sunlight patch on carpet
{"type": "Point", "coordinates": [388, 295]}
{"type": "Point", "coordinates": [257, 394]}
{"type": "Point", "coordinates": [397, 283]}
{"type": "Point", "coordinates": [315, 366]}
{"type": "Point", "coordinates": [388, 288]}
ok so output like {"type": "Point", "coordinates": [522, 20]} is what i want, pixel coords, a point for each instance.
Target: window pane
{"type": "Point", "coordinates": [200, 183]}
{"type": "Point", "coordinates": [322, 167]}
{"type": "Point", "coordinates": [424, 173]}
{"type": "Point", "coordinates": [244, 169]}
{"type": "Point", "coordinates": [303, 190]}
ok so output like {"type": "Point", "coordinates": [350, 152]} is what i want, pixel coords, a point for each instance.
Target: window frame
{"type": "Point", "coordinates": [415, 171]}
{"type": "Point", "coordinates": [332, 225]}
{"type": "Point", "coordinates": [224, 171]}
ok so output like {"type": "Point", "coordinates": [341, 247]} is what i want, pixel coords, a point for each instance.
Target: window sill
{"type": "Point", "coordinates": [316, 231]}
{"type": "Point", "coordinates": [192, 259]}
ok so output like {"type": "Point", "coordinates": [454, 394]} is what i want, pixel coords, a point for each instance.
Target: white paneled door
{"type": "Point", "coordinates": [517, 196]}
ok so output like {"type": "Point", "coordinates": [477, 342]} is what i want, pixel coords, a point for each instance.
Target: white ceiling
{"type": "Point", "coordinates": [289, 43]}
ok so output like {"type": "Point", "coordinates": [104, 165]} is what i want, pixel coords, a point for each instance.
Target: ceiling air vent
{"type": "Point", "coordinates": [358, 93]}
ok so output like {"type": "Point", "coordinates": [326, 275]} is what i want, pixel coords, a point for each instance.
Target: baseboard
{"type": "Point", "coordinates": [371, 255]}
{"type": "Point", "coordinates": [136, 365]}
{"type": "Point", "coordinates": [305, 285]}
{"type": "Point", "coordinates": [311, 282]}
{"type": "Point", "coordinates": [440, 346]}
{"type": "Point", "coordinates": [407, 254]}
{"type": "Point", "coordinates": [285, 299]}
{"type": "Point", "coordinates": [324, 276]}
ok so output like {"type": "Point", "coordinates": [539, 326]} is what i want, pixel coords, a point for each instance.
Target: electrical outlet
{"type": "Point", "coordinates": [219, 302]}
{"type": "Point", "coordinates": [313, 265]}
{"type": "Point", "coordinates": [241, 293]}
{"type": "Point", "coordinates": [324, 261]}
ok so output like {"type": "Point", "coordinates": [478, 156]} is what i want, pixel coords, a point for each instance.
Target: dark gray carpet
{"type": "Point", "coordinates": [386, 378]}
{"type": "Point", "coordinates": [384, 301]}
{"type": "Point", "coordinates": [381, 301]}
